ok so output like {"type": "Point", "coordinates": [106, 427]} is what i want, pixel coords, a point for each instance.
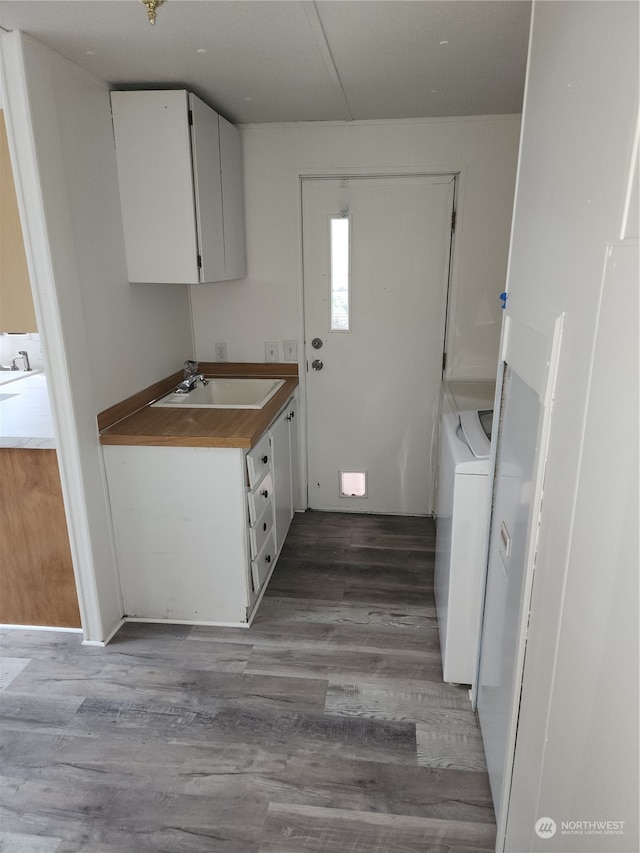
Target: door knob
{"type": "Point", "coordinates": [317, 364]}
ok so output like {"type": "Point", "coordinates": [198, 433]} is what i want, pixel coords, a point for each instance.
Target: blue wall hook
{"type": "Point", "coordinates": [503, 299]}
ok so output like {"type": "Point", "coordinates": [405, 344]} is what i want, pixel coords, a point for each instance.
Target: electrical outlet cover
{"type": "Point", "coordinates": [221, 352]}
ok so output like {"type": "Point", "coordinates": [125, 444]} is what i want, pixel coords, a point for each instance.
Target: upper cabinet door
{"type": "Point", "coordinates": [207, 182]}
{"type": "Point", "coordinates": [153, 152]}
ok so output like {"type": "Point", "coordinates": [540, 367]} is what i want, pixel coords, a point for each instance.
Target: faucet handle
{"type": "Point", "coordinates": [190, 368]}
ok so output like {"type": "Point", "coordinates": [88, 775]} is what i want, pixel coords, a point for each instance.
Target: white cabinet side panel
{"type": "Point", "coordinates": [180, 523]}
{"type": "Point", "coordinates": [153, 153]}
{"type": "Point", "coordinates": [283, 506]}
{"type": "Point", "coordinates": [232, 200]}
{"type": "Point", "coordinates": [295, 455]}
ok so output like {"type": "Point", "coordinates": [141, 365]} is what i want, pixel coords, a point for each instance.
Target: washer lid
{"type": "Point", "coordinates": [475, 434]}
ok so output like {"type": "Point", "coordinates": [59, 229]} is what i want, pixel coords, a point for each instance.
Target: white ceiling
{"type": "Point", "coordinates": [299, 60]}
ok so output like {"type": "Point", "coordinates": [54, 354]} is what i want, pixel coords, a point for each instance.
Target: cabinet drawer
{"type": "Point", "coordinates": [259, 532]}
{"type": "Point", "coordinates": [260, 497]}
{"type": "Point", "coordinates": [262, 565]}
{"type": "Point", "coordinates": [258, 460]}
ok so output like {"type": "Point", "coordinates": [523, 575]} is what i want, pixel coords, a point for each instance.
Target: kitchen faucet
{"type": "Point", "coordinates": [191, 377]}
{"type": "Point", "coordinates": [24, 355]}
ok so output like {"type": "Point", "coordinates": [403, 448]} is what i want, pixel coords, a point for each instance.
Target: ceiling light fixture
{"type": "Point", "coordinates": [151, 8]}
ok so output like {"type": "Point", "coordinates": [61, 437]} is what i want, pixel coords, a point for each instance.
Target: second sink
{"type": "Point", "coordinates": [225, 393]}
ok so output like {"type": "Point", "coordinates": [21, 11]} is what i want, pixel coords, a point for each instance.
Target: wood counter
{"type": "Point", "coordinates": [134, 422]}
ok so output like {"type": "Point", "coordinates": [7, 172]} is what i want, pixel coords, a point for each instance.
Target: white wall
{"type": "Point", "coordinates": [266, 306]}
{"type": "Point", "coordinates": [577, 745]}
{"type": "Point", "coordinates": [103, 338]}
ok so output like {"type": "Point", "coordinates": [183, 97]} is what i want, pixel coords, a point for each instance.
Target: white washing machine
{"type": "Point", "coordinates": [461, 526]}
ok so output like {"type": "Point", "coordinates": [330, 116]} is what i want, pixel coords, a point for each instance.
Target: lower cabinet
{"type": "Point", "coordinates": [284, 442]}
{"type": "Point", "coordinates": [196, 528]}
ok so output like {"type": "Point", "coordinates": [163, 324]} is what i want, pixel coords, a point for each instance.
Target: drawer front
{"type": "Point", "coordinates": [262, 565]}
{"type": "Point", "coordinates": [258, 460]}
{"type": "Point", "coordinates": [260, 497]}
{"type": "Point", "coordinates": [259, 532]}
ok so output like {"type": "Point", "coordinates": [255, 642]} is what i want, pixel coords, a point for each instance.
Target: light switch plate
{"type": "Point", "coordinates": [290, 350]}
{"type": "Point", "coordinates": [272, 351]}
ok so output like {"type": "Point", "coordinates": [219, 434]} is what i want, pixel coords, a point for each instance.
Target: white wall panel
{"type": "Point", "coordinates": [103, 338]}
{"type": "Point", "coordinates": [266, 305]}
{"type": "Point", "coordinates": [576, 751]}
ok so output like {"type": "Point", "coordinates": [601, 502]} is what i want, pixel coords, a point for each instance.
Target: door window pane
{"type": "Point", "coordinates": [340, 245]}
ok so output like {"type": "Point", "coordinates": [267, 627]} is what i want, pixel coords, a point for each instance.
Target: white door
{"type": "Point", "coordinates": [376, 265]}
{"type": "Point", "coordinates": [530, 352]}
{"type": "Point", "coordinates": [499, 677]}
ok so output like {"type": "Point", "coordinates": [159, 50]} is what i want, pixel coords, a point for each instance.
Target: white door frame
{"type": "Point", "coordinates": [337, 174]}
{"type": "Point", "coordinates": [22, 148]}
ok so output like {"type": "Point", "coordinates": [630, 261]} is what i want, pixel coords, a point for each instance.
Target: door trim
{"type": "Point", "coordinates": [41, 274]}
{"type": "Point", "coordinates": [457, 175]}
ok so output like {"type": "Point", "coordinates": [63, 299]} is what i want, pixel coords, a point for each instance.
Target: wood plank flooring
{"type": "Point", "coordinates": [324, 728]}
{"type": "Point", "coordinates": [37, 586]}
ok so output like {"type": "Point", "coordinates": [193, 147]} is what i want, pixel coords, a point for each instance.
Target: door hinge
{"type": "Point", "coordinates": [444, 361]}
{"type": "Point", "coordinates": [199, 262]}
{"type": "Point", "coordinates": [190, 118]}
{"type": "Point", "coordinates": [453, 220]}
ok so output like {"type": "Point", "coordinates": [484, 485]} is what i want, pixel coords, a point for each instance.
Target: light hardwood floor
{"type": "Point", "coordinates": [325, 727]}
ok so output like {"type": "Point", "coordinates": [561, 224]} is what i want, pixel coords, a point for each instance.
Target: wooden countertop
{"type": "Point", "coordinates": [134, 422]}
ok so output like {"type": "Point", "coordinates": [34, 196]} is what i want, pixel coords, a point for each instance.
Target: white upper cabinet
{"type": "Point", "coordinates": [180, 177]}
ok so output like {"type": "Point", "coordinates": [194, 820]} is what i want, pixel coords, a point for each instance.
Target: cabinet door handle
{"type": "Point", "coordinates": [265, 494]}
{"type": "Point", "coordinates": [267, 559]}
{"type": "Point", "coordinates": [264, 526]}
{"type": "Point", "coordinates": [265, 459]}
